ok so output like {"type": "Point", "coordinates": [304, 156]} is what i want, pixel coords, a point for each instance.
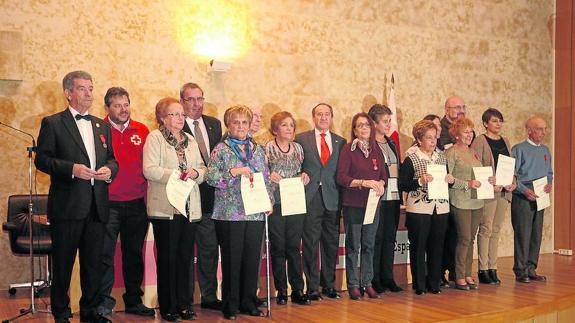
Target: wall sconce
{"type": "Point", "coordinates": [219, 66]}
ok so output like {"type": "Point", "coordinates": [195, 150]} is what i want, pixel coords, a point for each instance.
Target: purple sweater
{"type": "Point", "coordinates": [353, 165]}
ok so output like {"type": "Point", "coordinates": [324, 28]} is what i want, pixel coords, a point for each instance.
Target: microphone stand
{"type": "Point", "coordinates": [32, 307]}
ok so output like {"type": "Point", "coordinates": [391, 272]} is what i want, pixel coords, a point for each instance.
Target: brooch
{"type": "Point", "coordinates": [103, 140]}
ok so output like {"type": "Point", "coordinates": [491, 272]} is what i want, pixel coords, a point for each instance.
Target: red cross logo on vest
{"type": "Point", "coordinates": [136, 140]}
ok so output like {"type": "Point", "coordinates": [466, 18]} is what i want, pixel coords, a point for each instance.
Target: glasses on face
{"type": "Point", "coordinates": [363, 125]}
{"type": "Point", "coordinates": [199, 99]}
{"type": "Point", "coordinates": [177, 115]}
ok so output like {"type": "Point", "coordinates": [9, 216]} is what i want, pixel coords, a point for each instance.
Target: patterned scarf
{"type": "Point", "coordinates": [363, 146]}
{"type": "Point", "coordinates": [180, 147]}
{"type": "Point", "coordinates": [244, 156]}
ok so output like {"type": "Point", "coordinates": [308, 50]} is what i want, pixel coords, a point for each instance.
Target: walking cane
{"type": "Point", "coordinates": [268, 268]}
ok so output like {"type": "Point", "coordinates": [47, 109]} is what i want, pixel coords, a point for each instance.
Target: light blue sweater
{"type": "Point", "coordinates": [531, 163]}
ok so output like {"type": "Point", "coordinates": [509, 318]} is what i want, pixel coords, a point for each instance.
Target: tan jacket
{"type": "Point", "coordinates": [481, 147]}
{"type": "Point", "coordinates": [160, 160]}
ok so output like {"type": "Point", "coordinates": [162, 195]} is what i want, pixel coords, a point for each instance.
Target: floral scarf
{"type": "Point", "coordinates": [180, 147]}
{"type": "Point", "coordinates": [363, 146]}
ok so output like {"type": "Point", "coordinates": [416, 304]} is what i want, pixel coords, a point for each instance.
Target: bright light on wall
{"type": "Point", "coordinates": [214, 29]}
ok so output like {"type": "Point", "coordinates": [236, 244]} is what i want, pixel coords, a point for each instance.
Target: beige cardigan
{"type": "Point", "coordinates": [160, 160]}
{"type": "Point", "coordinates": [481, 147]}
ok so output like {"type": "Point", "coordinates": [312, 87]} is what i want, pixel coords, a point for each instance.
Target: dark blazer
{"type": "Point", "coordinates": [60, 146]}
{"type": "Point", "coordinates": [214, 130]}
{"type": "Point", "coordinates": [318, 173]}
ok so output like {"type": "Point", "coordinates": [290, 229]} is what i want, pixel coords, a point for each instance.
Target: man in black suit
{"type": "Point", "coordinates": [208, 133]}
{"type": "Point", "coordinates": [321, 153]}
{"type": "Point", "coordinates": [75, 149]}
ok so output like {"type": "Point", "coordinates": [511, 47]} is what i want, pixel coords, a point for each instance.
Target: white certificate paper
{"type": "Point", "coordinates": [292, 196]}
{"type": "Point", "coordinates": [392, 190]}
{"type": "Point", "coordinates": [543, 200]}
{"type": "Point", "coordinates": [178, 191]}
{"type": "Point", "coordinates": [256, 198]}
{"type": "Point", "coordinates": [437, 188]}
{"type": "Point", "coordinates": [482, 174]}
{"type": "Point", "coordinates": [371, 207]}
{"type": "Point", "coordinates": [505, 170]}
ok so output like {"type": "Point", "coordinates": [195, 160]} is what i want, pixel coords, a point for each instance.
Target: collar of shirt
{"type": "Point", "coordinates": [318, 132]}
{"type": "Point", "coordinates": [532, 143]}
{"type": "Point", "coordinates": [190, 122]}
{"type": "Point", "coordinates": [74, 113]}
{"type": "Point", "coordinates": [117, 126]}
{"type": "Point", "coordinates": [424, 156]}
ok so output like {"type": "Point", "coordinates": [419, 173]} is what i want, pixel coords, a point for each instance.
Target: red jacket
{"type": "Point", "coordinates": [130, 183]}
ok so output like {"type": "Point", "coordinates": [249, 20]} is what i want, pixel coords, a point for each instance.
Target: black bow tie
{"type": "Point", "coordinates": [86, 117]}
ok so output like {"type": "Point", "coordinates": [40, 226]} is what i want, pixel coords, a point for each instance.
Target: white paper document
{"type": "Point", "coordinates": [254, 194]}
{"type": "Point", "coordinates": [292, 195]}
{"type": "Point", "coordinates": [543, 200]}
{"type": "Point", "coordinates": [505, 170]}
{"type": "Point", "coordinates": [392, 190]}
{"type": "Point", "coordinates": [178, 191]}
{"type": "Point", "coordinates": [482, 174]}
{"type": "Point", "coordinates": [438, 188]}
{"type": "Point", "coordinates": [371, 207]}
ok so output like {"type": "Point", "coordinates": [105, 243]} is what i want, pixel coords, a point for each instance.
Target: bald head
{"type": "Point", "coordinates": [536, 128]}
{"type": "Point", "coordinates": [257, 119]}
{"type": "Point", "coordinates": [454, 107]}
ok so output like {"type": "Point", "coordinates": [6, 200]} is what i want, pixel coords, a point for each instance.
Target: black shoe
{"type": "Point", "coordinates": [484, 277]}
{"type": "Point", "coordinates": [171, 317]}
{"type": "Point", "coordinates": [314, 296]}
{"type": "Point", "coordinates": [331, 293]}
{"type": "Point", "coordinates": [188, 314]}
{"type": "Point", "coordinates": [216, 305]}
{"type": "Point", "coordinates": [523, 279]}
{"type": "Point", "coordinates": [493, 275]}
{"type": "Point", "coordinates": [419, 292]}
{"type": "Point", "coordinates": [62, 320]}
{"type": "Point", "coordinates": [282, 298]}
{"type": "Point", "coordinates": [261, 302]}
{"type": "Point", "coordinates": [140, 309]}
{"type": "Point", "coordinates": [300, 298]}
{"type": "Point", "coordinates": [378, 288]}
{"type": "Point", "coordinates": [537, 278]}
{"type": "Point", "coordinates": [462, 287]}
{"type": "Point", "coordinates": [252, 312]}
{"type": "Point", "coordinates": [435, 290]}
{"type": "Point", "coordinates": [100, 319]}
{"type": "Point", "coordinates": [392, 287]}
{"type": "Point", "coordinates": [444, 283]}
{"type": "Point", "coordinates": [230, 316]}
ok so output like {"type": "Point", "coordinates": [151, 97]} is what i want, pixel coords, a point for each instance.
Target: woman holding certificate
{"type": "Point", "coordinates": [284, 160]}
{"type": "Point", "coordinates": [426, 219]}
{"type": "Point", "coordinates": [489, 146]}
{"type": "Point", "coordinates": [170, 152]}
{"type": "Point", "coordinates": [389, 207]}
{"type": "Point", "coordinates": [360, 170]}
{"type": "Point", "coordinates": [237, 163]}
{"type": "Point", "coordinates": [467, 210]}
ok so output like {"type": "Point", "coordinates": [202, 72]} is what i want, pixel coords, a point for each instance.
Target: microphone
{"type": "Point", "coordinates": [21, 131]}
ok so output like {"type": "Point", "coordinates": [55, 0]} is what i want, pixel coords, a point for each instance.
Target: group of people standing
{"type": "Point", "coordinates": [117, 171]}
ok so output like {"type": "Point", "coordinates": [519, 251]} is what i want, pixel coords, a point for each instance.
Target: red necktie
{"type": "Point", "coordinates": [324, 150]}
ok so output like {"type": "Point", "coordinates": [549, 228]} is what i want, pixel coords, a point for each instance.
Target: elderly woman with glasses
{"type": "Point", "coordinates": [167, 150]}
{"type": "Point", "coordinates": [239, 234]}
{"type": "Point", "coordinates": [426, 219]}
{"type": "Point", "coordinates": [359, 169]}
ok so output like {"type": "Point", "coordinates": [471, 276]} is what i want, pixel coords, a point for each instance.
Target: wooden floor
{"type": "Point", "coordinates": [509, 302]}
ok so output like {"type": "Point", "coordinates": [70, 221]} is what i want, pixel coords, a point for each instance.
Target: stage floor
{"type": "Point", "coordinates": [553, 301]}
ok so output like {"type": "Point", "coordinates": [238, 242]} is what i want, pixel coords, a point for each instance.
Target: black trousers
{"type": "Point", "coordinates": [207, 251]}
{"type": "Point", "coordinates": [175, 250]}
{"type": "Point", "coordinates": [240, 244]}
{"type": "Point", "coordinates": [527, 225]}
{"type": "Point", "coordinates": [69, 236]}
{"type": "Point", "coordinates": [320, 230]}
{"type": "Point", "coordinates": [285, 236]}
{"type": "Point", "coordinates": [130, 221]}
{"type": "Point", "coordinates": [384, 249]}
{"type": "Point", "coordinates": [448, 262]}
{"type": "Point", "coordinates": [426, 234]}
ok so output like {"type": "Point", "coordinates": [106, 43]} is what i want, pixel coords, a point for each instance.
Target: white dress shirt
{"type": "Point", "coordinates": [327, 139]}
{"type": "Point", "coordinates": [87, 134]}
{"type": "Point", "coordinates": [203, 129]}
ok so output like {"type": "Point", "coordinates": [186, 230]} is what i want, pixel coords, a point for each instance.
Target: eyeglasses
{"type": "Point", "coordinates": [459, 107]}
{"type": "Point", "coordinates": [199, 99]}
{"type": "Point", "coordinates": [177, 115]}
{"type": "Point", "coordinates": [363, 125]}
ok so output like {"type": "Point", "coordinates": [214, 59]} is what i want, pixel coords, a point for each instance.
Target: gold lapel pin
{"type": "Point", "coordinates": [97, 125]}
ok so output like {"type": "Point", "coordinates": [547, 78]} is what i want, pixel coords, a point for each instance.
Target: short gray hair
{"type": "Point", "coordinates": [68, 81]}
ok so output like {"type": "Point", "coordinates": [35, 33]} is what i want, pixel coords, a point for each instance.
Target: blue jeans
{"type": "Point", "coordinates": [359, 238]}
